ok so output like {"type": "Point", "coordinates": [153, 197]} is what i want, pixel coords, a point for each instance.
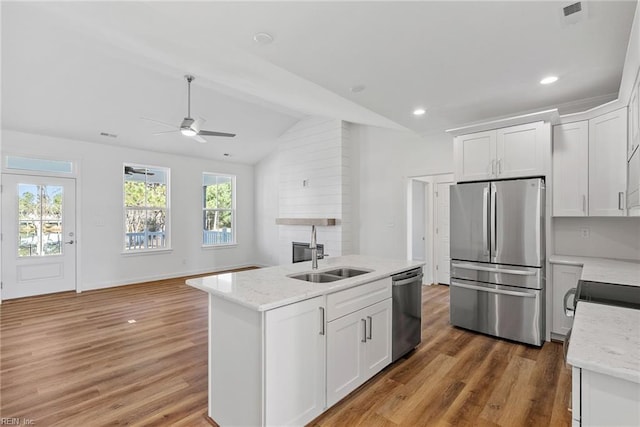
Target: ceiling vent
{"type": "Point", "coordinates": [573, 13]}
{"type": "Point", "coordinates": [572, 8]}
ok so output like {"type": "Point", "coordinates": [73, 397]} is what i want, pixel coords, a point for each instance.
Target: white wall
{"type": "Point", "coordinates": [386, 160]}
{"type": "Point", "coordinates": [266, 178]}
{"type": "Point", "coordinates": [100, 197]}
{"type": "Point", "coordinates": [608, 237]}
{"type": "Point", "coordinates": [312, 167]}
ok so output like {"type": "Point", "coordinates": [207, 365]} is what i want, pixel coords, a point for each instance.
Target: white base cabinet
{"type": "Point", "coordinates": [266, 368]}
{"type": "Point", "coordinates": [287, 365]}
{"type": "Point", "coordinates": [294, 363]}
{"type": "Point", "coordinates": [358, 336]}
{"type": "Point", "coordinates": [358, 347]}
{"type": "Point", "coordinates": [603, 400]}
{"type": "Point", "coordinates": [564, 277]}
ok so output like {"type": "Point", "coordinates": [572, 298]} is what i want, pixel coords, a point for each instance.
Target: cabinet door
{"type": "Point", "coordinates": [570, 169]}
{"type": "Point", "coordinates": [607, 164]}
{"type": "Point", "coordinates": [521, 150]}
{"type": "Point", "coordinates": [377, 351]}
{"type": "Point", "coordinates": [295, 363]}
{"type": "Point", "coordinates": [565, 277]}
{"type": "Point", "coordinates": [608, 401]}
{"type": "Point", "coordinates": [345, 344]}
{"type": "Point", "coordinates": [474, 156]}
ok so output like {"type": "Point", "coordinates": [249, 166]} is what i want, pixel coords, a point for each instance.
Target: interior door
{"type": "Point", "coordinates": [469, 221]}
{"type": "Point", "coordinates": [443, 249]}
{"type": "Point", "coordinates": [38, 235]}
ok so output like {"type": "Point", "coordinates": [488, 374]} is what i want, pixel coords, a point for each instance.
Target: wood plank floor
{"type": "Point", "coordinates": [74, 360]}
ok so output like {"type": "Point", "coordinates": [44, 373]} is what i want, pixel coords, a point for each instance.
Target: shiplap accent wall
{"type": "Point", "coordinates": [314, 182]}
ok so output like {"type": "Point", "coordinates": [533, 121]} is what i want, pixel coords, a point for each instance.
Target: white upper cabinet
{"type": "Point", "coordinates": [570, 170]}
{"type": "Point", "coordinates": [608, 164]}
{"type": "Point", "coordinates": [474, 156]}
{"type": "Point", "coordinates": [590, 167]}
{"type": "Point", "coordinates": [512, 152]}
{"type": "Point", "coordinates": [521, 151]}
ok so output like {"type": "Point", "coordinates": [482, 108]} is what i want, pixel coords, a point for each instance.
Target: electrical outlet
{"type": "Point", "coordinates": [584, 232]}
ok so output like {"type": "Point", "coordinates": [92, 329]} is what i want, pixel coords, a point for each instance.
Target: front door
{"type": "Point", "coordinates": [38, 235]}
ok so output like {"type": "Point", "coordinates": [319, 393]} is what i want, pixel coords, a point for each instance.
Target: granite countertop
{"type": "Point", "coordinates": [606, 339]}
{"type": "Point", "coordinates": [604, 270]}
{"type": "Point", "coordinates": [267, 288]}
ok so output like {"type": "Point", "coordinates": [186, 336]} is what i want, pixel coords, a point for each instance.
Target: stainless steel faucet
{"type": "Point", "coordinates": [314, 248]}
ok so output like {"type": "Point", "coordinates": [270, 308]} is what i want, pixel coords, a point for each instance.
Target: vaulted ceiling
{"type": "Point", "coordinates": [76, 69]}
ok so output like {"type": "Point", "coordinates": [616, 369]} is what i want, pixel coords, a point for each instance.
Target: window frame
{"type": "Point", "coordinates": [167, 209]}
{"type": "Point", "coordinates": [204, 209]}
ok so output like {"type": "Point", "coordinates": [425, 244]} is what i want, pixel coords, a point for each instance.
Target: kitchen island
{"type": "Point", "coordinates": [604, 346]}
{"type": "Point", "coordinates": [282, 350]}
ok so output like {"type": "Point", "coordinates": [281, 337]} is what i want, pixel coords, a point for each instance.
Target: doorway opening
{"type": "Point", "coordinates": [428, 225]}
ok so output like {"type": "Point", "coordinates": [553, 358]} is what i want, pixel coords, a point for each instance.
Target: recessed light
{"type": "Point", "coordinates": [419, 111]}
{"type": "Point", "coordinates": [357, 88]}
{"type": "Point", "coordinates": [548, 80]}
{"type": "Point", "coordinates": [262, 38]}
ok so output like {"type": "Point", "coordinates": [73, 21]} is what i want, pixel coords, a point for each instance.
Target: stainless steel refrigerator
{"type": "Point", "coordinates": [498, 258]}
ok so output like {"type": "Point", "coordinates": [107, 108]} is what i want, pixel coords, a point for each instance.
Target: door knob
{"type": "Point", "coordinates": [70, 242]}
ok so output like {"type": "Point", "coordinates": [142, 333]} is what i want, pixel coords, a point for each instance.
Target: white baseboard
{"type": "Point", "coordinates": [142, 279]}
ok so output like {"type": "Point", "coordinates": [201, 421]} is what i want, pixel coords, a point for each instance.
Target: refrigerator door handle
{"type": "Point", "coordinates": [492, 290]}
{"type": "Point", "coordinates": [494, 222]}
{"type": "Point", "coordinates": [493, 270]}
{"type": "Point", "coordinates": [485, 219]}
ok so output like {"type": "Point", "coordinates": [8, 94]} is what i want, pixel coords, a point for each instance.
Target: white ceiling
{"type": "Point", "coordinates": [74, 69]}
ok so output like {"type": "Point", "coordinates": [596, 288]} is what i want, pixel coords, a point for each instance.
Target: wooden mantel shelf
{"type": "Point", "coordinates": [306, 221]}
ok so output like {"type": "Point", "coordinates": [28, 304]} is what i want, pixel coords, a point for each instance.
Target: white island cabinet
{"type": "Point", "coordinates": [276, 345]}
{"type": "Point", "coordinates": [604, 351]}
{"type": "Point", "coordinates": [359, 342]}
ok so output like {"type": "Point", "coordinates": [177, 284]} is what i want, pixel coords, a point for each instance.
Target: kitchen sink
{"type": "Point", "coordinates": [330, 275]}
{"type": "Point", "coordinates": [316, 277]}
{"type": "Point", "coordinates": [347, 272]}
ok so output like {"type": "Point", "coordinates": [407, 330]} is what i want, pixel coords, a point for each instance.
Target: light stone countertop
{"type": "Point", "coordinates": [267, 288]}
{"type": "Point", "coordinates": [604, 270]}
{"type": "Point", "coordinates": [606, 339]}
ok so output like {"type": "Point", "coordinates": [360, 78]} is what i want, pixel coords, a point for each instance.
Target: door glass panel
{"type": "Point", "coordinates": [39, 220]}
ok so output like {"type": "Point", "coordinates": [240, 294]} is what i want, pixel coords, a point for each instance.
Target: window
{"type": "Point", "coordinates": [146, 208]}
{"type": "Point", "coordinates": [39, 165]}
{"type": "Point", "coordinates": [40, 220]}
{"type": "Point", "coordinates": [218, 211]}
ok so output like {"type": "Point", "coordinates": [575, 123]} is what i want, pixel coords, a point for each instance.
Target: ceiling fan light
{"type": "Point", "coordinates": [188, 132]}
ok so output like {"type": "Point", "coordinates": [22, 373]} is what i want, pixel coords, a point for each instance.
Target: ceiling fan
{"type": "Point", "coordinates": [190, 127]}
{"type": "Point", "coordinates": [130, 170]}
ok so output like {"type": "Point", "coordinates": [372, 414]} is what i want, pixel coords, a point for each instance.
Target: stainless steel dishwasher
{"type": "Point", "coordinates": [407, 312]}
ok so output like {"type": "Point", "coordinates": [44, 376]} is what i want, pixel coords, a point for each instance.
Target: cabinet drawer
{"type": "Point", "coordinates": [350, 300]}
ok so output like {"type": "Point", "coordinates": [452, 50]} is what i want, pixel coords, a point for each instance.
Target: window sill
{"type": "Point", "coordinates": [147, 252]}
{"type": "Point", "coordinates": [224, 246]}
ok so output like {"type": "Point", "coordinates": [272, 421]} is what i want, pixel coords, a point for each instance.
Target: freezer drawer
{"type": "Point", "coordinates": [510, 275]}
{"type": "Point", "coordinates": [503, 311]}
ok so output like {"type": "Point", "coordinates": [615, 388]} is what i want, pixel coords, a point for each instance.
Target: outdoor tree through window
{"type": "Point", "coordinates": [218, 209]}
{"type": "Point", "coordinates": [146, 203]}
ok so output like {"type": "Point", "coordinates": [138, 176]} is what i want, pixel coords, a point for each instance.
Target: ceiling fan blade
{"type": "Point", "coordinates": [212, 133]}
{"type": "Point", "coordinates": [198, 138]}
{"type": "Point", "coordinates": [166, 131]}
{"type": "Point", "coordinates": [159, 122]}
